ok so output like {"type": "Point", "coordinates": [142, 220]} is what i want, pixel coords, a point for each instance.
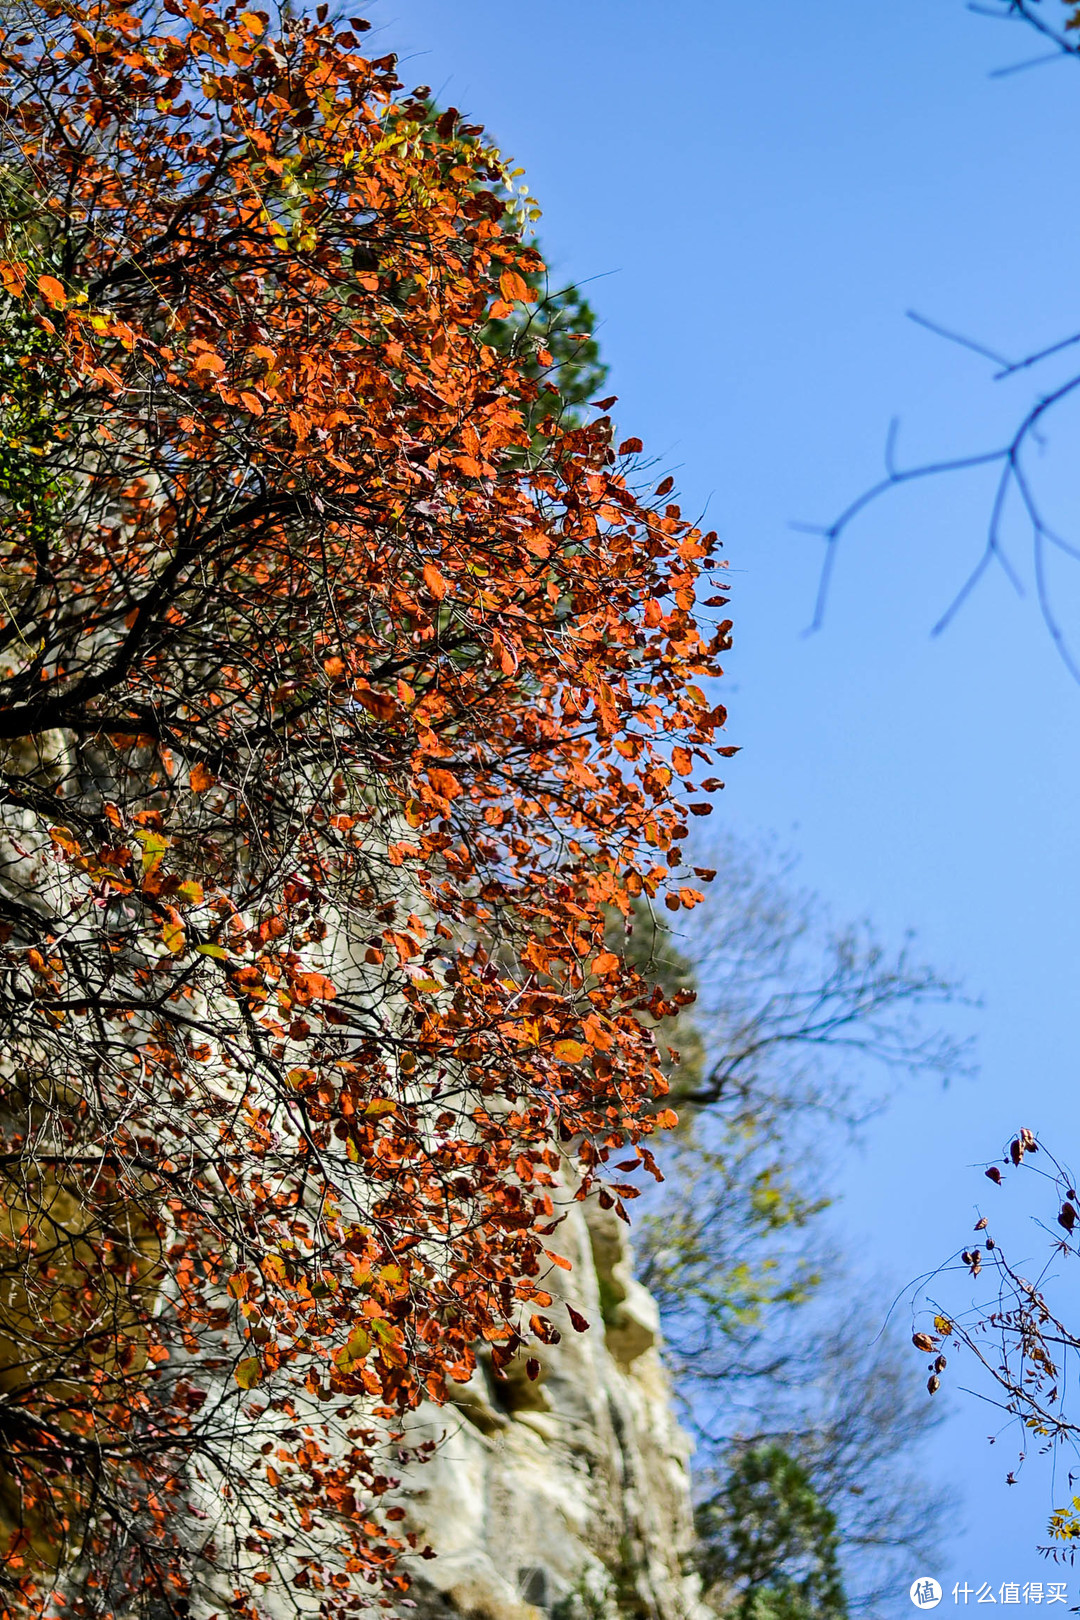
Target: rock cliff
{"type": "Point", "coordinates": [567, 1496]}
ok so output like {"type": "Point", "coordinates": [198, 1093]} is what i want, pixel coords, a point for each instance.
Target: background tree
{"type": "Point", "coordinates": [767, 1533]}
{"type": "Point", "coordinates": [796, 1035]}
{"type": "Point", "coordinates": [1015, 489]}
{"type": "Point", "coordinates": [345, 694]}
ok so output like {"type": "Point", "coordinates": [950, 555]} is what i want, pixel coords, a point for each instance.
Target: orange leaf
{"type": "Point", "coordinates": [435, 582]}
{"type": "Point", "coordinates": [380, 704]}
{"type": "Point", "coordinates": [683, 760]}
{"type": "Point", "coordinates": [606, 962]}
{"type": "Point", "coordinates": [13, 278]}
{"type": "Point", "coordinates": [52, 292]}
{"type": "Point", "coordinates": [513, 287]}
{"type": "Point", "coordinates": [570, 1051]}
{"type": "Point", "coordinates": [200, 778]}
{"type": "Point", "coordinates": [444, 783]}
{"type": "Point", "coordinates": [558, 1260]}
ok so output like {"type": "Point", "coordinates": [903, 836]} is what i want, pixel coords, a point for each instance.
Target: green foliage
{"type": "Point", "coordinates": [29, 427]}
{"type": "Point", "coordinates": [554, 341]}
{"type": "Point", "coordinates": [720, 1250]}
{"type": "Point", "coordinates": [767, 1536]}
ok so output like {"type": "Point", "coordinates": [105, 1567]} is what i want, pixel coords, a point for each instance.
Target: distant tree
{"type": "Point", "coordinates": [785, 1048]}
{"type": "Point", "coordinates": [768, 1544]}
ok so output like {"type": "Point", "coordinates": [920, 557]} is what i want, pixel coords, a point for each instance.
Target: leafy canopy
{"type": "Point", "coordinates": [768, 1535]}
{"type": "Point", "coordinates": [346, 692]}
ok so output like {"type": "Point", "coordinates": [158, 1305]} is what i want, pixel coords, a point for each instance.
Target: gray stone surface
{"type": "Point", "coordinates": [568, 1496]}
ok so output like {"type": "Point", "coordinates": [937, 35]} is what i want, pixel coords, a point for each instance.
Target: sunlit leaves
{"type": "Point", "coordinates": [378, 688]}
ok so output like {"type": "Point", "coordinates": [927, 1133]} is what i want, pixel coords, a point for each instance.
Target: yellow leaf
{"type": "Point", "coordinates": [216, 951]}
{"type": "Point", "coordinates": [353, 1350]}
{"type": "Point", "coordinates": [570, 1051]}
{"type": "Point", "coordinates": [153, 850]}
{"type": "Point", "coordinates": [247, 1372]}
{"type": "Point", "coordinates": [173, 935]}
{"type": "Point", "coordinates": [380, 1105]}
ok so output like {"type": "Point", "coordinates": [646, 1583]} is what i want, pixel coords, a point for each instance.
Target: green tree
{"type": "Point", "coordinates": [767, 1539]}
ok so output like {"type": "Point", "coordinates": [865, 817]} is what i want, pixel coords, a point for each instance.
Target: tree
{"type": "Point", "coordinates": [345, 695]}
{"type": "Point", "coordinates": [771, 1081]}
{"type": "Point", "coordinates": [768, 1534]}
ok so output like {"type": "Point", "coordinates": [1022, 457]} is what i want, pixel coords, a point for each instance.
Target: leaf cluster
{"type": "Point", "coordinates": [341, 678]}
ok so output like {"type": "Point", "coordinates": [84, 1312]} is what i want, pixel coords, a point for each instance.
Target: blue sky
{"type": "Point", "coordinates": [756, 195]}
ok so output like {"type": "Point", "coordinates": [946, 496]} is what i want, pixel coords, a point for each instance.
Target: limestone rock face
{"type": "Point", "coordinates": [568, 1496]}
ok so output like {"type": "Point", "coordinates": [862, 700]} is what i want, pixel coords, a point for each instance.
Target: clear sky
{"type": "Point", "coordinates": [760, 192]}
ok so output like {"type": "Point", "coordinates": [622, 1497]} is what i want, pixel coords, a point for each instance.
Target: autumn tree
{"type": "Point", "coordinates": [346, 693]}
